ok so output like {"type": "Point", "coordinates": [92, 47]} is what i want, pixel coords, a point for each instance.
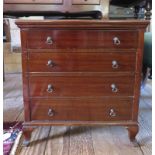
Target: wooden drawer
{"type": "Point", "coordinates": [34, 1]}
{"type": "Point", "coordinates": [81, 62]}
{"type": "Point", "coordinates": [98, 109]}
{"type": "Point", "coordinates": [85, 86]}
{"type": "Point", "coordinates": [95, 2]}
{"type": "Point", "coordinates": [66, 39]}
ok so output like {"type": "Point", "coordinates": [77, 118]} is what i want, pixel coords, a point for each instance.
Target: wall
{"type": "Point", "coordinates": [12, 60]}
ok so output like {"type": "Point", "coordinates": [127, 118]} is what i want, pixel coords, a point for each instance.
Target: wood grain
{"type": "Point", "coordinates": [22, 6]}
{"type": "Point", "coordinates": [81, 62]}
{"type": "Point", "coordinates": [37, 39]}
{"type": "Point", "coordinates": [102, 84]}
{"type": "Point", "coordinates": [81, 138]}
{"type": "Point", "coordinates": [33, 1]}
{"type": "Point", "coordinates": [106, 140]}
{"type": "Point", "coordinates": [131, 25]}
{"type": "Point", "coordinates": [82, 109]}
{"type": "Point", "coordinates": [39, 140]}
{"type": "Point", "coordinates": [80, 86]}
{"type": "Point", "coordinates": [86, 2]}
{"type": "Point", "coordinates": [58, 141]}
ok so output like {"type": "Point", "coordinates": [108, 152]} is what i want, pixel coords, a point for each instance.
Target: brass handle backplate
{"type": "Point", "coordinates": [49, 40]}
{"type": "Point", "coordinates": [114, 88]}
{"type": "Point", "coordinates": [116, 41]}
{"type": "Point", "coordinates": [50, 112]}
{"type": "Point", "coordinates": [49, 88]}
{"type": "Point", "coordinates": [112, 113]}
{"type": "Point", "coordinates": [50, 63]}
{"type": "Point", "coordinates": [114, 64]}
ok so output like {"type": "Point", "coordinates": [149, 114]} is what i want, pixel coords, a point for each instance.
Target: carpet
{"type": "Point", "coordinates": [12, 133]}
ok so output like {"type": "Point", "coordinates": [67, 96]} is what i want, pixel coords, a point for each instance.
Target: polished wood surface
{"type": "Point", "coordinates": [80, 86]}
{"type": "Point", "coordinates": [81, 62]}
{"type": "Point", "coordinates": [33, 1]}
{"type": "Point", "coordinates": [79, 140]}
{"type": "Point", "coordinates": [93, 109]}
{"type": "Point", "coordinates": [32, 6]}
{"type": "Point", "coordinates": [97, 2]}
{"type": "Point", "coordinates": [80, 39]}
{"type": "Point", "coordinates": [82, 24]}
{"type": "Point", "coordinates": [85, 89]}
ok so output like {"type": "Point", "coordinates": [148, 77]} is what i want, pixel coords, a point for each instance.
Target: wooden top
{"type": "Point", "coordinates": [32, 6]}
{"type": "Point", "coordinates": [82, 23]}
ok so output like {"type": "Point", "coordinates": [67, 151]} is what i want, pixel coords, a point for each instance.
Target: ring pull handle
{"type": "Point", "coordinates": [116, 41]}
{"type": "Point", "coordinates": [49, 40]}
{"type": "Point", "coordinates": [49, 88]}
{"type": "Point", "coordinates": [50, 112]}
{"type": "Point", "coordinates": [50, 63]}
{"type": "Point", "coordinates": [114, 88]}
{"type": "Point", "coordinates": [112, 113]}
{"type": "Point", "coordinates": [114, 64]}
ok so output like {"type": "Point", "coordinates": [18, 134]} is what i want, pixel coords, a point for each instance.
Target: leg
{"type": "Point", "coordinates": [133, 130]}
{"type": "Point", "coordinates": [27, 135]}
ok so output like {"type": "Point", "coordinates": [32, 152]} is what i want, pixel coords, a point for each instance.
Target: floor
{"type": "Point", "coordinates": [98, 140]}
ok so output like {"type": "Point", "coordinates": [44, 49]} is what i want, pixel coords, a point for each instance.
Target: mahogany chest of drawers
{"type": "Point", "coordinates": [78, 72]}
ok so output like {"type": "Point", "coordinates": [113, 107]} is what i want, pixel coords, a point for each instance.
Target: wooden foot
{"type": "Point", "coordinates": [133, 130]}
{"type": "Point", "coordinates": [26, 143]}
{"type": "Point", "coordinates": [27, 135]}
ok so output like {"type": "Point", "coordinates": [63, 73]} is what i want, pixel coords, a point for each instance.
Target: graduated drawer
{"type": "Point", "coordinates": [86, 109]}
{"type": "Point", "coordinates": [81, 62]}
{"type": "Point", "coordinates": [34, 1]}
{"type": "Point", "coordinates": [95, 2]}
{"type": "Point", "coordinates": [74, 86]}
{"type": "Point", "coordinates": [65, 39]}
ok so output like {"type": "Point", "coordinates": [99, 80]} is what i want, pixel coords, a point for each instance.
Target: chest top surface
{"type": "Point", "coordinates": [106, 24]}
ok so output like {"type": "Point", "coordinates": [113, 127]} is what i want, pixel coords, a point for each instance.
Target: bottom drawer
{"type": "Point", "coordinates": [103, 109]}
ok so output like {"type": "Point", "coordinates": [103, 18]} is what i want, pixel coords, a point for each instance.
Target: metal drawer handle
{"type": "Point", "coordinates": [114, 88]}
{"type": "Point", "coordinates": [49, 88]}
{"type": "Point", "coordinates": [49, 40]}
{"type": "Point", "coordinates": [114, 64]}
{"type": "Point", "coordinates": [112, 113]}
{"type": "Point", "coordinates": [50, 63]}
{"type": "Point", "coordinates": [116, 41]}
{"type": "Point", "coordinates": [50, 112]}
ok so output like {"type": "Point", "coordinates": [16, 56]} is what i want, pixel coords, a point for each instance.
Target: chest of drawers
{"type": "Point", "coordinates": [78, 72]}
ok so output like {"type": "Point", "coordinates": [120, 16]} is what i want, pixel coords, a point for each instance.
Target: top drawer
{"type": "Point", "coordinates": [94, 2]}
{"type": "Point", "coordinates": [34, 1]}
{"type": "Point", "coordinates": [64, 39]}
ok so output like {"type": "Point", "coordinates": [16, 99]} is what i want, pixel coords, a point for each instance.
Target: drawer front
{"type": "Point", "coordinates": [101, 109]}
{"type": "Point", "coordinates": [81, 62]}
{"type": "Point", "coordinates": [65, 39]}
{"type": "Point", "coordinates": [34, 1]}
{"type": "Point", "coordinates": [97, 2]}
{"type": "Point", "coordinates": [85, 86]}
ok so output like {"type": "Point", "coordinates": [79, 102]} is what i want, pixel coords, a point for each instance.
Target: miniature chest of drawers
{"type": "Point", "coordinates": [81, 72]}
